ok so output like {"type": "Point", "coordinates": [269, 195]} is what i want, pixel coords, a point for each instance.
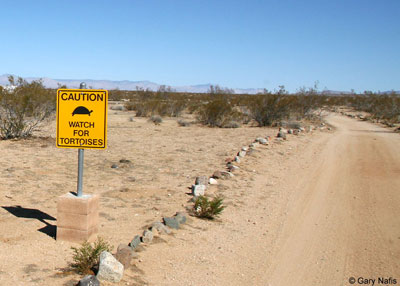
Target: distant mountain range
{"type": "Point", "coordinates": [124, 85]}
{"type": "Point", "coordinates": [133, 85]}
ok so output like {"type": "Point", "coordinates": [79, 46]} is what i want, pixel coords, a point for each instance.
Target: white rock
{"type": "Point", "coordinates": [147, 236]}
{"type": "Point", "coordinates": [213, 181]}
{"type": "Point", "coordinates": [237, 159]}
{"type": "Point", "coordinates": [263, 141]}
{"type": "Point", "coordinates": [242, 153]}
{"type": "Point", "coordinates": [110, 269]}
{"type": "Point", "coordinates": [245, 148]}
{"type": "Point", "coordinates": [198, 190]}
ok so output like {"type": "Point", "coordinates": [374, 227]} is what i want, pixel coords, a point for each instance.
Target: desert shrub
{"type": "Point", "coordinates": [383, 107]}
{"type": "Point", "coordinates": [117, 107]}
{"type": "Point", "coordinates": [156, 119]}
{"type": "Point", "coordinates": [117, 95]}
{"type": "Point", "coordinates": [270, 108]}
{"type": "Point", "coordinates": [218, 112]}
{"type": "Point", "coordinates": [194, 107]}
{"type": "Point", "coordinates": [129, 105]}
{"type": "Point", "coordinates": [171, 108]}
{"type": "Point", "coordinates": [24, 108]}
{"type": "Point", "coordinates": [292, 125]}
{"type": "Point", "coordinates": [232, 124]}
{"type": "Point", "coordinates": [183, 123]}
{"type": "Point", "coordinates": [156, 106]}
{"type": "Point", "coordinates": [204, 208]}
{"type": "Point", "coordinates": [86, 258]}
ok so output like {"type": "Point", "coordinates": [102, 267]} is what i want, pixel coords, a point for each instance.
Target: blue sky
{"type": "Point", "coordinates": [341, 44]}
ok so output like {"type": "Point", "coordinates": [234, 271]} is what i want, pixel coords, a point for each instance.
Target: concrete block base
{"type": "Point", "coordinates": [77, 217]}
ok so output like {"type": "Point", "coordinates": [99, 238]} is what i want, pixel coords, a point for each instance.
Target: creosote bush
{"type": "Point", "coordinates": [86, 258]}
{"type": "Point", "coordinates": [23, 107]}
{"type": "Point", "coordinates": [269, 109]}
{"type": "Point", "coordinates": [218, 112]}
{"type": "Point", "coordinates": [204, 208]}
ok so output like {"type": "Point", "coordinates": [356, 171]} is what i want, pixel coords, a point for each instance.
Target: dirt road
{"type": "Point", "coordinates": [313, 211]}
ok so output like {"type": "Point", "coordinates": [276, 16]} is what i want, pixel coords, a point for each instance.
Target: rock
{"type": "Point", "coordinates": [125, 161]}
{"type": "Point", "coordinates": [296, 132]}
{"type": "Point", "coordinates": [241, 153]}
{"type": "Point", "coordinates": [201, 180]}
{"type": "Point", "coordinates": [212, 181]}
{"type": "Point", "coordinates": [89, 280]}
{"type": "Point", "coordinates": [110, 269]}
{"type": "Point", "coordinates": [251, 151]}
{"type": "Point", "coordinates": [281, 135]}
{"type": "Point", "coordinates": [135, 242]}
{"type": "Point", "coordinates": [281, 129]}
{"type": "Point", "coordinates": [252, 145]}
{"type": "Point", "coordinates": [180, 217]}
{"type": "Point", "coordinates": [290, 131]}
{"type": "Point", "coordinates": [217, 175]}
{"type": "Point", "coordinates": [160, 227]}
{"type": "Point", "coordinates": [302, 129]}
{"type": "Point", "coordinates": [233, 168]}
{"type": "Point", "coordinates": [171, 222]}
{"type": "Point", "coordinates": [263, 141]}
{"type": "Point", "coordinates": [114, 166]}
{"type": "Point", "coordinates": [124, 255]}
{"type": "Point", "coordinates": [237, 159]}
{"type": "Point", "coordinates": [147, 236]}
{"type": "Point", "coordinates": [245, 148]}
{"type": "Point", "coordinates": [198, 190]}
{"type": "Point", "coordinates": [226, 175]}
{"type": "Point", "coordinates": [258, 139]}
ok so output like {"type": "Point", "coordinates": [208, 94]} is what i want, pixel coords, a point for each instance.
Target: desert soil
{"type": "Point", "coordinates": [313, 210]}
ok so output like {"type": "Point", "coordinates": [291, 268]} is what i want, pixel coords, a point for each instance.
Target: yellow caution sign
{"type": "Point", "coordinates": [82, 118]}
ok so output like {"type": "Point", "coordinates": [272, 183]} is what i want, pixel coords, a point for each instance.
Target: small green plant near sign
{"type": "Point", "coordinates": [208, 209]}
{"type": "Point", "coordinates": [86, 257]}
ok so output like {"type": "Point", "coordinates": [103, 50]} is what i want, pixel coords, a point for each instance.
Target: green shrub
{"type": "Point", "coordinates": [204, 208]}
{"type": "Point", "coordinates": [24, 108]}
{"type": "Point", "coordinates": [268, 109]}
{"type": "Point", "coordinates": [218, 112]}
{"type": "Point", "coordinates": [86, 258]}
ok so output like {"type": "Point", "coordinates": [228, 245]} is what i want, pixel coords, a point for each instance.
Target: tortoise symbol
{"type": "Point", "coordinates": [81, 110]}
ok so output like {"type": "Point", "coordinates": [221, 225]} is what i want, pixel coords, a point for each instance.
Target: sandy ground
{"type": "Point", "coordinates": [313, 210]}
{"type": "Point", "coordinates": [318, 211]}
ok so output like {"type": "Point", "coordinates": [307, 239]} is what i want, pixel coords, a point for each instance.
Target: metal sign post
{"type": "Point", "coordinates": [80, 159]}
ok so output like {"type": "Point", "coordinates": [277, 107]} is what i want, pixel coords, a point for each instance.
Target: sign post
{"type": "Point", "coordinates": [80, 160]}
{"type": "Point", "coordinates": [81, 124]}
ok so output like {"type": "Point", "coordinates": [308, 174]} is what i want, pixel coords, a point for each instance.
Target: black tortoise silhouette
{"type": "Point", "coordinates": [81, 110]}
